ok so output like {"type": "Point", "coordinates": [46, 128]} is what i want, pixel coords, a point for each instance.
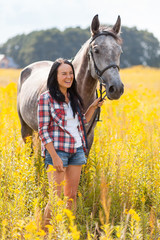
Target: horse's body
{"type": "Point", "coordinates": [100, 51]}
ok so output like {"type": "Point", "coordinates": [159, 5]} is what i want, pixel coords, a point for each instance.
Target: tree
{"type": "Point", "coordinates": [139, 47]}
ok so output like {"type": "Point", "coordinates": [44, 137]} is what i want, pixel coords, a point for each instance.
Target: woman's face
{"type": "Point", "coordinates": [64, 77]}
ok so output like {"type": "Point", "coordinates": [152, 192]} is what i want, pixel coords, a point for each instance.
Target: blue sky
{"type": "Point", "coordinates": [17, 16]}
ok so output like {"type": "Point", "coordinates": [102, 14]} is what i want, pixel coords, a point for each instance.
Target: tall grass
{"type": "Point", "coordinates": [119, 192]}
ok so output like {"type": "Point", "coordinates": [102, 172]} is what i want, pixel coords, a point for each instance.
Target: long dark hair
{"type": "Point", "coordinates": [53, 86]}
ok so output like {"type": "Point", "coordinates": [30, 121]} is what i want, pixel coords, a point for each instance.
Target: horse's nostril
{"type": "Point", "coordinates": [111, 89]}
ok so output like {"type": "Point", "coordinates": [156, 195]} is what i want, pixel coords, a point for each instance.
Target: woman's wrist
{"type": "Point", "coordinates": [93, 106]}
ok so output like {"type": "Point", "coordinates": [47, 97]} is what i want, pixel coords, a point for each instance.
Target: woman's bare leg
{"type": "Point", "coordinates": [54, 178]}
{"type": "Point", "coordinates": [72, 178]}
{"type": "Point", "coordinates": [71, 175]}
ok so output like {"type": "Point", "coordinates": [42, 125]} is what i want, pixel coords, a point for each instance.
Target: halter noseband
{"type": "Point", "coordinates": [97, 70]}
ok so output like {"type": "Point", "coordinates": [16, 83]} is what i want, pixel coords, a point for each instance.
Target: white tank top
{"type": "Point", "coordinates": [72, 124]}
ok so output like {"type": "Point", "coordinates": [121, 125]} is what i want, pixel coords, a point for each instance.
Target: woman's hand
{"type": "Point", "coordinates": [97, 103]}
{"type": "Point", "coordinates": [58, 164]}
{"type": "Point", "coordinates": [57, 161]}
{"type": "Point", "coordinates": [90, 111]}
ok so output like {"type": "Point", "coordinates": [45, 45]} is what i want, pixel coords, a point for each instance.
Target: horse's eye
{"type": "Point", "coordinates": [96, 50]}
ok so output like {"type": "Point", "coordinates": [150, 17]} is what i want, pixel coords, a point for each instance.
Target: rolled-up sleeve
{"type": "Point", "coordinates": [44, 119]}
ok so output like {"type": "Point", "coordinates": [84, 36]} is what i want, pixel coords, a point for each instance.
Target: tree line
{"type": "Point", "coordinates": [139, 47]}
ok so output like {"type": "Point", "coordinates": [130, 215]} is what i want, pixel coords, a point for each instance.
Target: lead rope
{"type": "Point", "coordinates": [99, 109]}
{"type": "Point", "coordinates": [83, 125]}
{"type": "Point", "coordinates": [101, 97]}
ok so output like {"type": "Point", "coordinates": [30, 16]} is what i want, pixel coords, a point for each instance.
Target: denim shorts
{"type": "Point", "coordinates": [77, 158]}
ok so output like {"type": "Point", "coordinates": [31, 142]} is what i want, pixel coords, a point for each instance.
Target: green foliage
{"type": "Point", "coordinates": [45, 45]}
{"type": "Point", "coordinates": [139, 47]}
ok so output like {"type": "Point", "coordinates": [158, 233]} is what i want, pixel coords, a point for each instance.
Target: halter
{"type": "Point", "coordinates": [97, 70]}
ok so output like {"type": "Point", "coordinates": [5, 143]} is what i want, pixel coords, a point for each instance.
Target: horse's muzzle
{"type": "Point", "coordinates": [114, 92]}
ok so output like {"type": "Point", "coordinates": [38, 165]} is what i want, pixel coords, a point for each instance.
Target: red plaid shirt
{"type": "Point", "coordinates": [52, 122]}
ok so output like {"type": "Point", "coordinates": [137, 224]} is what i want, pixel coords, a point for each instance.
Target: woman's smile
{"type": "Point", "coordinates": [65, 77]}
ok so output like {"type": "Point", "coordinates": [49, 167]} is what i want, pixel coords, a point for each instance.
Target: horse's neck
{"type": "Point", "coordinates": [86, 84]}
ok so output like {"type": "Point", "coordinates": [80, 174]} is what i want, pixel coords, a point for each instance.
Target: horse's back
{"type": "Point", "coordinates": [34, 69]}
{"type": "Point", "coordinates": [32, 82]}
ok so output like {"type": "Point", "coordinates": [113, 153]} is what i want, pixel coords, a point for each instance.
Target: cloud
{"type": "Point", "coordinates": [17, 16]}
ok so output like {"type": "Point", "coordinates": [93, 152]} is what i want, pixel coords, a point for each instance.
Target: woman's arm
{"type": "Point", "coordinates": [43, 115]}
{"type": "Point", "coordinates": [43, 125]}
{"type": "Point", "coordinates": [90, 111]}
{"type": "Point", "coordinates": [57, 162]}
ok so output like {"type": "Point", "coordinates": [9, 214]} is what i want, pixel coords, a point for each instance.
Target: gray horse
{"type": "Point", "coordinates": [98, 59]}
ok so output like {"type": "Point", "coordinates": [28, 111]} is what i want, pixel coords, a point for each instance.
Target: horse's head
{"type": "Point", "coordinates": [104, 57]}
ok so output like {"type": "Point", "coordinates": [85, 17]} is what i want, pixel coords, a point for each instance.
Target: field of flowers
{"type": "Point", "coordinates": [119, 192]}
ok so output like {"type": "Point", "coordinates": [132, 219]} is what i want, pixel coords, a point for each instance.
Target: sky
{"type": "Point", "coordinates": [18, 17]}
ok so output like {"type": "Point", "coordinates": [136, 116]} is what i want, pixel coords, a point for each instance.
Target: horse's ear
{"type": "Point", "coordinates": [117, 27]}
{"type": "Point", "coordinates": [95, 25]}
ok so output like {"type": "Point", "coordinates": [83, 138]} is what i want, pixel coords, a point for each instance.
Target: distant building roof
{"type": "Point", "coordinates": [2, 56]}
{"type": "Point", "coordinates": [7, 62]}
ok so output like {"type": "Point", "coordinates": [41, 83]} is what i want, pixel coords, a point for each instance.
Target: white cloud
{"type": "Point", "coordinates": [17, 16]}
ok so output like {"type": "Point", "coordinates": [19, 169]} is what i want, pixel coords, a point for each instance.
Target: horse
{"type": "Point", "coordinates": [97, 60]}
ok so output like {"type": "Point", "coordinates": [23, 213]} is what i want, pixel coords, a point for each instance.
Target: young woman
{"type": "Point", "coordinates": [61, 130]}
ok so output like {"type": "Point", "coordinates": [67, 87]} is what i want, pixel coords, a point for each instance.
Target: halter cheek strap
{"type": "Point", "coordinates": [97, 70]}
{"type": "Point", "coordinates": [90, 54]}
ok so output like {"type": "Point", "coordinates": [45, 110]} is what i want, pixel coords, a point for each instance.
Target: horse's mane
{"type": "Point", "coordinates": [83, 47]}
